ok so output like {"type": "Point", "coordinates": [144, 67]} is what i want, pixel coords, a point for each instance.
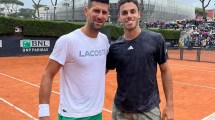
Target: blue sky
{"type": "Point", "coordinates": [29, 3]}
{"type": "Point", "coordinates": [196, 3]}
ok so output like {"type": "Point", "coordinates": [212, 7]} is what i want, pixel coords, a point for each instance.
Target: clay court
{"type": "Point", "coordinates": [194, 89]}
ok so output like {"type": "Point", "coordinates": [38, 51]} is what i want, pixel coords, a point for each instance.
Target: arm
{"type": "Point", "coordinates": [168, 112]}
{"type": "Point", "coordinates": [46, 83]}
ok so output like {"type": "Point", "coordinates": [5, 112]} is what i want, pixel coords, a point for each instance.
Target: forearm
{"type": "Point", "coordinates": [45, 90]}
{"type": "Point", "coordinates": [46, 87]}
{"type": "Point", "coordinates": [168, 112]}
{"type": "Point", "coordinates": [167, 87]}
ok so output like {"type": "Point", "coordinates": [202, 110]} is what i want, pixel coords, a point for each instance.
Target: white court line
{"type": "Point", "coordinates": [20, 80]}
{"type": "Point", "coordinates": [194, 85]}
{"type": "Point", "coordinates": [20, 110]}
{"type": "Point", "coordinates": [107, 110]}
{"type": "Point", "coordinates": [209, 70]}
{"type": "Point", "coordinates": [210, 117]}
{"type": "Point", "coordinates": [195, 67]}
{"type": "Point", "coordinates": [207, 87]}
{"type": "Point", "coordinates": [114, 73]}
{"type": "Point", "coordinates": [199, 70]}
{"type": "Point", "coordinates": [183, 83]}
{"type": "Point", "coordinates": [188, 84]}
{"type": "Point", "coordinates": [38, 86]}
{"type": "Point", "coordinates": [35, 85]}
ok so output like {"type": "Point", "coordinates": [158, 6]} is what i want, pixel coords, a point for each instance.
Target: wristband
{"type": "Point", "coordinates": [43, 110]}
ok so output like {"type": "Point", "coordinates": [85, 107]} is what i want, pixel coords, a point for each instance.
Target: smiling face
{"type": "Point", "coordinates": [96, 15]}
{"type": "Point", "coordinates": [129, 15]}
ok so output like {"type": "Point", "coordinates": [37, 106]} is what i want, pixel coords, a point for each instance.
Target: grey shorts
{"type": "Point", "coordinates": [153, 114]}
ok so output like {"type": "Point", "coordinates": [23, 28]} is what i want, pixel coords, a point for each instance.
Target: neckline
{"type": "Point", "coordinates": [87, 37]}
{"type": "Point", "coordinates": [133, 40]}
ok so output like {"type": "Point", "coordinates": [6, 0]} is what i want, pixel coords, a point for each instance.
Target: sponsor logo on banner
{"type": "Point", "coordinates": [0, 43]}
{"type": "Point", "coordinates": [34, 45]}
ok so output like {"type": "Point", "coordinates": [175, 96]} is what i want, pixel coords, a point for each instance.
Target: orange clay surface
{"type": "Point", "coordinates": [193, 82]}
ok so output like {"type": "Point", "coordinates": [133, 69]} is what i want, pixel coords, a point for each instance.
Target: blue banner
{"type": "Point", "coordinates": [13, 45]}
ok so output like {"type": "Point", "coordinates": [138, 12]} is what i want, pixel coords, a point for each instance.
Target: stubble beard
{"type": "Point", "coordinates": [94, 27]}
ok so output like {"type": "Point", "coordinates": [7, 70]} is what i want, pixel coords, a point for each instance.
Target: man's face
{"type": "Point", "coordinates": [97, 15]}
{"type": "Point", "coordinates": [129, 15]}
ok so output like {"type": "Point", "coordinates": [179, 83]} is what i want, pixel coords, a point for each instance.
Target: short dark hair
{"type": "Point", "coordinates": [102, 1]}
{"type": "Point", "coordinates": [121, 2]}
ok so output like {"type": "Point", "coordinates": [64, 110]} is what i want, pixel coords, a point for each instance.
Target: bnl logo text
{"type": "Point", "coordinates": [34, 43]}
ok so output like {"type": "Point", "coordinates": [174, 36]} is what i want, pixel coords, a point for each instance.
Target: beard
{"type": "Point", "coordinates": [95, 27]}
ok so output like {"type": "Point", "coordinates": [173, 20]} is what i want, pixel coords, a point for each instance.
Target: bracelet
{"type": "Point", "coordinates": [43, 110]}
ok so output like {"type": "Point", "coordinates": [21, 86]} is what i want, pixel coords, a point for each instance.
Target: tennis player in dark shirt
{"type": "Point", "coordinates": [135, 56]}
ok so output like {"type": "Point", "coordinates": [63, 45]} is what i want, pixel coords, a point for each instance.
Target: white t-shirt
{"type": "Point", "coordinates": [82, 75]}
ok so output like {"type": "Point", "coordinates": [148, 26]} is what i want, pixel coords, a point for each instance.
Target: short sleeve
{"type": "Point", "coordinates": [60, 52]}
{"type": "Point", "coordinates": [162, 53]}
{"type": "Point", "coordinates": [110, 63]}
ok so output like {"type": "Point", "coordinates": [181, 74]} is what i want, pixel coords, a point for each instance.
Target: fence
{"type": "Point", "coordinates": [151, 10]}
{"type": "Point", "coordinates": [198, 54]}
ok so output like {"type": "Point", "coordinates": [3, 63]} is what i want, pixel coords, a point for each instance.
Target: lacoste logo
{"type": "Point", "coordinates": [130, 48]}
{"type": "Point", "coordinates": [64, 110]}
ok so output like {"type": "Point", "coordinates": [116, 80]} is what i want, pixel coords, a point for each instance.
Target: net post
{"type": "Point", "coordinates": [198, 55]}
{"type": "Point", "coordinates": [181, 53]}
